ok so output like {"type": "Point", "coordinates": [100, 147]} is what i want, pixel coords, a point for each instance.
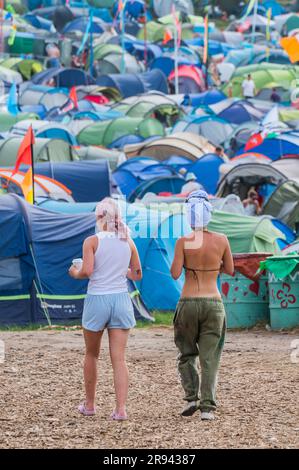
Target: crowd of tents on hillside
{"type": "Point", "coordinates": [140, 102]}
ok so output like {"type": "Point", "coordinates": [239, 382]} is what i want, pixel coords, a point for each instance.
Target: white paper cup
{"type": "Point", "coordinates": [77, 263]}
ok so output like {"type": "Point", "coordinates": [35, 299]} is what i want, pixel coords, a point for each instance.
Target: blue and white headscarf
{"type": "Point", "coordinates": [199, 210]}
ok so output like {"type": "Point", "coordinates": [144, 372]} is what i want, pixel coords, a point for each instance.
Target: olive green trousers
{"type": "Point", "coordinates": [199, 333]}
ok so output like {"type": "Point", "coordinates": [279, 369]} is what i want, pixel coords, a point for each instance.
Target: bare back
{"type": "Point", "coordinates": [203, 254]}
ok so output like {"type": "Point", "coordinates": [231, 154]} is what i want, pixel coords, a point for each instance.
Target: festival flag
{"type": "Point", "coordinates": [12, 101]}
{"type": "Point", "coordinates": [244, 26]}
{"type": "Point", "coordinates": [255, 140]}
{"type": "Point", "coordinates": [206, 40]}
{"type": "Point", "coordinates": [27, 186]}
{"type": "Point", "coordinates": [291, 47]}
{"type": "Point", "coordinates": [177, 25]}
{"type": "Point", "coordinates": [25, 152]}
{"type": "Point", "coordinates": [167, 36]}
{"type": "Point", "coordinates": [73, 96]}
{"type": "Point", "coordinates": [250, 7]}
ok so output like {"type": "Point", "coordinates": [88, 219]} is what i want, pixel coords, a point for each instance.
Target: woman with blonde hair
{"type": "Point", "coordinates": [109, 258]}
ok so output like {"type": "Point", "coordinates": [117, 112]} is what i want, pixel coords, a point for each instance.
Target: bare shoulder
{"type": "Point", "coordinates": [131, 244]}
{"type": "Point", "coordinates": [91, 241]}
{"type": "Point", "coordinates": [221, 237]}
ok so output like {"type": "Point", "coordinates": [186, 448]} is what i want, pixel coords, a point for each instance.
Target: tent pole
{"type": "Point", "coordinates": [123, 16]}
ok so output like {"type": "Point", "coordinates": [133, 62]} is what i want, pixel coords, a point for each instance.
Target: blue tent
{"type": "Point", "coordinates": [39, 22]}
{"type": "Point", "coordinates": [36, 258]}
{"type": "Point", "coordinates": [284, 144]}
{"type": "Point", "coordinates": [239, 112]}
{"type": "Point", "coordinates": [204, 99]}
{"type": "Point", "coordinates": [131, 84]}
{"type": "Point", "coordinates": [166, 62]}
{"type": "Point", "coordinates": [214, 129]}
{"type": "Point", "coordinates": [80, 24]}
{"type": "Point", "coordinates": [207, 172]}
{"type": "Point", "coordinates": [88, 180]}
{"type": "Point", "coordinates": [164, 184]}
{"type": "Point", "coordinates": [130, 174]}
{"type": "Point", "coordinates": [64, 77]}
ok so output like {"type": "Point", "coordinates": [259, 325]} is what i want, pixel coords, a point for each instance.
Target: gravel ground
{"type": "Point", "coordinates": [41, 386]}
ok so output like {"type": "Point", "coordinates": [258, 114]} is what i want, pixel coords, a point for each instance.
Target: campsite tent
{"type": "Point", "coordinates": [262, 74]}
{"type": "Point", "coordinates": [43, 186]}
{"type": "Point", "coordinates": [107, 133]}
{"type": "Point", "coordinates": [108, 59]}
{"type": "Point", "coordinates": [163, 107]}
{"type": "Point", "coordinates": [8, 120]}
{"type": "Point", "coordinates": [44, 129]}
{"type": "Point", "coordinates": [183, 144]}
{"type": "Point", "coordinates": [63, 77]}
{"type": "Point", "coordinates": [284, 203]}
{"type": "Point", "coordinates": [89, 180]}
{"type": "Point", "coordinates": [135, 84]}
{"type": "Point", "coordinates": [286, 143]}
{"type": "Point", "coordinates": [214, 129]}
{"type": "Point", "coordinates": [44, 150]}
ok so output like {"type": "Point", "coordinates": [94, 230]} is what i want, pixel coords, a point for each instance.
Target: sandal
{"type": "Point", "coordinates": [117, 417]}
{"type": "Point", "coordinates": [82, 409]}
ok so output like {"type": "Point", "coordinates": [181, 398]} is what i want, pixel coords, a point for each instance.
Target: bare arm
{"type": "Point", "coordinates": [227, 260]}
{"type": "Point", "coordinates": [89, 247]}
{"type": "Point", "coordinates": [178, 261]}
{"type": "Point", "coordinates": [135, 269]}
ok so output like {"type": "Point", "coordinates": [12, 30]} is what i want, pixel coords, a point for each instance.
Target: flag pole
{"type": "Point", "coordinates": [145, 36]}
{"type": "Point", "coordinates": [254, 21]}
{"type": "Point", "coordinates": [176, 59]}
{"type": "Point", "coordinates": [32, 166]}
{"type": "Point", "coordinates": [123, 16]}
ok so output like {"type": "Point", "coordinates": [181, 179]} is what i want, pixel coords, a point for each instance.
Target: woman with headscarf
{"type": "Point", "coordinates": [109, 258]}
{"type": "Point", "coordinates": [199, 321]}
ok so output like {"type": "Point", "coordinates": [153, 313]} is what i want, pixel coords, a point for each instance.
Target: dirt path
{"type": "Point", "coordinates": [41, 386]}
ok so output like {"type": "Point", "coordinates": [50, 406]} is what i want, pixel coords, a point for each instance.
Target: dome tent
{"type": "Point", "coordinates": [44, 150]}
{"type": "Point", "coordinates": [106, 132]}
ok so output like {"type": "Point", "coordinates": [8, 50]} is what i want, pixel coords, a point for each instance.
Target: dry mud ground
{"type": "Point", "coordinates": [41, 386]}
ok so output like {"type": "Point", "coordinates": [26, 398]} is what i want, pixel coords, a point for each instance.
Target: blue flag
{"type": "Point", "coordinates": [12, 102]}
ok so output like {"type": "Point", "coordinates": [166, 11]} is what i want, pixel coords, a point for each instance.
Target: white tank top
{"type": "Point", "coordinates": [112, 259]}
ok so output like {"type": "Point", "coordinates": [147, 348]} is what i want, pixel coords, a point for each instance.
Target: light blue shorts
{"type": "Point", "coordinates": [108, 311]}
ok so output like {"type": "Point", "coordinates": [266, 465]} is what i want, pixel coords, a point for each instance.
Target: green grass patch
{"type": "Point", "coordinates": [161, 319]}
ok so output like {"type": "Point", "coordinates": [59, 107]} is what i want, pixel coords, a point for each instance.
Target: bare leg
{"type": "Point", "coordinates": [93, 344]}
{"type": "Point", "coordinates": [117, 344]}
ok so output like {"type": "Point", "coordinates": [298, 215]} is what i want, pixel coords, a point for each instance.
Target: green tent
{"type": "Point", "coordinates": [262, 74]}
{"type": "Point", "coordinates": [247, 234]}
{"type": "Point", "coordinates": [284, 203]}
{"type": "Point", "coordinates": [164, 109]}
{"type": "Point", "coordinates": [8, 120]}
{"type": "Point", "coordinates": [101, 3]}
{"type": "Point", "coordinates": [44, 150]}
{"type": "Point", "coordinates": [155, 31]}
{"type": "Point", "coordinates": [26, 67]}
{"type": "Point", "coordinates": [108, 59]}
{"type": "Point", "coordinates": [292, 23]}
{"type": "Point", "coordinates": [106, 132]}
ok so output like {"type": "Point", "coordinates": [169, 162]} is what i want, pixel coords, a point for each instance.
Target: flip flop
{"type": "Point", "coordinates": [82, 409]}
{"type": "Point", "coordinates": [117, 417]}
